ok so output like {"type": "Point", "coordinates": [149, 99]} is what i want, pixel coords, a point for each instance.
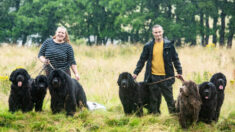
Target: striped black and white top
{"type": "Point", "coordinates": [61, 55]}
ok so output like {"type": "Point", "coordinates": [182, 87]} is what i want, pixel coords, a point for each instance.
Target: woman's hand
{"type": "Point", "coordinates": [44, 60]}
{"type": "Point", "coordinates": [74, 68]}
{"type": "Point", "coordinates": [77, 77]}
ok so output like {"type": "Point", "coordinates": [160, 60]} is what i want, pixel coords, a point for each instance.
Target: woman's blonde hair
{"type": "Point", "coordinates": [66, 38]}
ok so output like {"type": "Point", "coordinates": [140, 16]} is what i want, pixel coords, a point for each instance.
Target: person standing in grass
{"type": "Point", "coordinates": [161, 57]}
{"type": "Point", "coordinates": [59, 53]}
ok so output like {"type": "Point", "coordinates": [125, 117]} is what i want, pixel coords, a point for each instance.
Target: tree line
{"type": "Point", "coordinates": [188, 22]}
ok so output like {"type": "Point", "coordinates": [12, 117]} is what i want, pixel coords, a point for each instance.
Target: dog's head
{"type": "Point", "coordinates": [125, 80]}
{"type": "Point", "coordinates": [189, 88]}
{"type": "Point", "coordinates": [219, 80]}
{"type": "Point", "coordinates": [207, 90]}
{"type": "Point", "coordinates": [19, 77]}
{"type": "Point", "coordinates": [40, 82]}
{"type": "Point", "coordinates": [57, 78]}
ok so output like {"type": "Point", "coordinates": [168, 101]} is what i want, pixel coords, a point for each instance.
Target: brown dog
{"type": "Point", "coordinates": [188, 103]}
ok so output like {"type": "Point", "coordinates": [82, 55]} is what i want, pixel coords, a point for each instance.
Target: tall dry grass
{"type": "Point", "coordinates": [100, 66]}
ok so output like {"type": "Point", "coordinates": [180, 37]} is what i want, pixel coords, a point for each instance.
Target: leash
{"type": "Point", "coordinates": [38, 70]}
{"type": "Point", "coordinates": [43, 68]}
{"type": "Point", "coordinates": [180, 78]}
{"type": "Point", "coordinates": [51, 66]}
{"type": "Point", "coordinates": [161, 80]}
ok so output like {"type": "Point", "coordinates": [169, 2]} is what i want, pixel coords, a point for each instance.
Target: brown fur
{"type": "Point", "coordinates": [188, 104]}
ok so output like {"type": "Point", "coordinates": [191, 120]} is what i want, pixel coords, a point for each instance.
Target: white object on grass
{"type": "Point", "coordinates": [95, 106]}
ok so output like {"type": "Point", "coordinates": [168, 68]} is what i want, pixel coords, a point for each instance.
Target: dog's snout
{"type": "Point", "coordinates": [181, 89]}
{"type": "Point", "coordinates": [220, 81]}
{"type": "Point", "coordinates": [41, 85]}
{"type": "Point", "coordinates": [206, 91]}
{"type": "Point", "coordinates": [124, 83]}
{"type": "Point", "coordinates": [55, 81]}
{"type": "Point", "coordinates": [20, 78]}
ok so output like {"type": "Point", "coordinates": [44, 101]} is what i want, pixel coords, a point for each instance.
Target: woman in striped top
{"type": "Point", "coordinates": [59, 53]}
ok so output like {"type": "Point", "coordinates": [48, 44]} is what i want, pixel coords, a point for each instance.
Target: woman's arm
{"type": "Point", "coordinates": [41, 54]}
{"type": "Point", "coordinates": [44, 60]}
{"type": "Point", "coordinates": [74, 69]}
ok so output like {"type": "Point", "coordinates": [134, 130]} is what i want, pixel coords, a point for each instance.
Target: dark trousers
{"type": "Point", "coordinates": [156, 90]}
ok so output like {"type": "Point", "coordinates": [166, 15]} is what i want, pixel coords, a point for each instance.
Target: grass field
{"type": "Point", "coordinates": [99, 68]}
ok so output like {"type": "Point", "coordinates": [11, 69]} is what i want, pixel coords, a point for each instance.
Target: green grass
{"type": "Point", "coordinates": [99, 67]}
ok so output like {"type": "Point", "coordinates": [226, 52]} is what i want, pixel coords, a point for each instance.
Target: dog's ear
{"type": "Point", "coordinates": [119, 79]}
{"type": "Point", "coordinates": [196, 90]}
{"type": "Point", "coordinates": [131, 80]}
{"type": "Point", "coordinates": [225, 80]}
{"type": "Point", "coordinates": [13, 76]}
{"type": "Point", "coordinates": [45, 80]}
{"type": "Point", "coordinates": [200, 88]}
{"type": "Point", "coordinates": [213, 89]}
{"type": "Point", "coordinates": [63, 76]}
{"type": "Point", "coordinates": [34, 83]}
{"type": "Point", "coordinates": [26, 75]}
{"type": "Point", "coordinates": [213, 79]}
{"type": "Point", "coordinates": [50, 77]}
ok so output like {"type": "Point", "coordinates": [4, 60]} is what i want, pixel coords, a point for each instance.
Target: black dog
{"type": "Point", "coordinates": [20, 98]}
{"type": "Point", "coordinates": [38, 91]}
{"type": "Point", "coordinates": [208, 95]}
{"type": "Point", "coordinates": [134, 96]}
{"type": "Point", "coordinates": [219, 80]}
{"type": "Point", "coordinates": [65, 93]}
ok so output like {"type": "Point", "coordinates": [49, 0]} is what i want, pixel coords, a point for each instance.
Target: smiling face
{"type": "Point", "coordinates": [60, 34]}
{"type": "Point", "coordinates": [158, 33]}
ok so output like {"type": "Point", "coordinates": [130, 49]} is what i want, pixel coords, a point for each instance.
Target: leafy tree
{"type": "Point", "coordinates": [231, 24]}
{"type": "Point", "coordinates": [6, 20]}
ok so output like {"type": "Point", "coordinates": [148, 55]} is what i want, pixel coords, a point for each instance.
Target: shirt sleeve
{"type": "Point", "coordinates": [71, 59]}
{"type": "Point", "coordinates": [43, 48]}
{"type": "Point", "coordinates": [143, 58]}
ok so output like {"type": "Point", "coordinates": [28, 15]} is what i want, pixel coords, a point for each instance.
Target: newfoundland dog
{"type": "Point", "coordinates": [220, 81]}
{"type": "Point", "coordinates": [38, 91]}
{"type": "Point", "coordinates": [188, 104]}
{"type": "Point", "coordinates": [65, 93]}
{"type": "Point", "coordinates": [208, 94]}
{"type": "Point", "coordinates": [20, 98]}
{"type": "Point", "coordinates": [134, 96]}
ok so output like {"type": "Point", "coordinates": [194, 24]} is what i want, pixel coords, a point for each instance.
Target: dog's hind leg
{"type": "Point", "coordinates": [139, 110]}
{"type": "Point", "coordinates": [127, 109]}
{"type": "Point", "coordinates": [12, 105]}
{"type": "Point", "coordinates": [38, 106]}
{"type": "Point", "coordinates": [70, 105]}
{"type": "Point", "coordinates": [56, 104]}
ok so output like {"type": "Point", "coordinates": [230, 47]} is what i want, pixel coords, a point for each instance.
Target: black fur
{"type": "Point", "coordinates": [65, 93]}
{"type": "Point", "coordinates": [220, 81]}
{"type": "Point", "coordinates": [134, 96]}
{"type": "Point", "coordinates": [208, 95]}
{"type": "Point", "coordinates": [38, 91]}
{"type": "Point", "coordinates": [20, 98]}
